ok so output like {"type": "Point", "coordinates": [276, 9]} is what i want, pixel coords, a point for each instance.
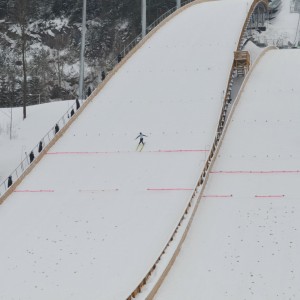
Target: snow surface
{"type": "Point", "coordinates": [84, 224]}
{"type": "Point", "coordinates": [282, 30]}
{"type": "Point", "coordinates": [253, 50]}
{"type": "Point", "coordinates": [25, 134]}
{"type": "Point", "coordinates": [244, 242]}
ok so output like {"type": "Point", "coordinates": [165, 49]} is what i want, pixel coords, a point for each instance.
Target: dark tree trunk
{"type": "Point", "coordinates": [24, 72]}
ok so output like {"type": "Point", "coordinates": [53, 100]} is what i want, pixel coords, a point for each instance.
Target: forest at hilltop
{"type": "Point", "coordinates": [42, 38]}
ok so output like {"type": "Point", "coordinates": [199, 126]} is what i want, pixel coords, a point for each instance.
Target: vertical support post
{"type": "Point", "coordinates": [11, 120]}
{"type": "Point", "coordinates": [144, 17]}
{"type": "Point", "coordinates": [81, 75]}
{"type": "Point", "coordinates": [178, 3]}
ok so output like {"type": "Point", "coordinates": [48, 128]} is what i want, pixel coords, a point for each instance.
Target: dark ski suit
{"type": "Point", "coordinates": [141, 136]}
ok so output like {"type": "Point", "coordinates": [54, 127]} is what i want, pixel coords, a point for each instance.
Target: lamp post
{"type": "Point", "coordinates": [178, 2]}
{"type": "Point", "coordinates": [36, 95]}
{"type": "Point", "coordinates": [11, 121]}
{"type": "Point", "coordinates": [83, 30]}
{"type": "Point", "coordinates": [144, 18]}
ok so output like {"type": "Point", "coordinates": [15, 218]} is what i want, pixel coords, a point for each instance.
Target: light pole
{"type": "Point", "coordinates": [36, 95]}
{"type": "Point", "coordinates": [11, 121]}
{"type": "Point", "coordinates": [144, 18]}
{"type": "Point", "coordinates": [178, 2]}
{"type": "Point", "coordinates": [83, 30]}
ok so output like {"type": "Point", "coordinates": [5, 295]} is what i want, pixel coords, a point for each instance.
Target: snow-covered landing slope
{"type": "Point", "coordinates": [244, 242]}
{"type": "Point", "coordinates": [89, 221]}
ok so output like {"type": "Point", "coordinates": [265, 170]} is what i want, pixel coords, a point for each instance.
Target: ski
{"type": "Point", "coordinates": [138, 148]}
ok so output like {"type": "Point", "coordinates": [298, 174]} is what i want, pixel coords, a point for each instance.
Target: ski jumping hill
{"type": "Point", "coordinates": [244, 241]}
{"type": "Point", "coordinates": [93, 216]}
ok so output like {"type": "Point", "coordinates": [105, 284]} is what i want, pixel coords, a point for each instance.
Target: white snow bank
{"type": "Point", "coordinates": [244, 242]}
{"type": "Point", "coordinates": [253, 50]}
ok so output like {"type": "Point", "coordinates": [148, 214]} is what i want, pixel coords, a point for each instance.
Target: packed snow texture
{"type": "Point", "coordinates": [18, 136]}
{"type": "Point", "coordinates": [244, 241]}
{"type": "Point", "coordinates": [89, 221]}
{"type": "Point", "coordinates": [253, 50]}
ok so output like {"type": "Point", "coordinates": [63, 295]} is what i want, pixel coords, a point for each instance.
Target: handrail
{"type": "Point", "coordinates": [241, 90]}
{"type": "Point", "coordinates": [246, 24]}
{"type": "Point", "coordinates": [10, 182]}
{"type": "Point", "coordinates": [190, 210]}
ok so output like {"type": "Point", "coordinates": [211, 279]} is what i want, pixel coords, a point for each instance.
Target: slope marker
{"type": "Point", "coordinates": [269, 196]}
{"type": "Point", "coordinates": [257, 172]}
{"type": "Point", "coordinates": [122, 152]}
{"type": "Point", "coordinates": [34, 191]}
{"type": "Point", "coordinates": [217, 196]}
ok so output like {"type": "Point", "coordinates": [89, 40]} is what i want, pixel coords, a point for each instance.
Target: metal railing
{"type": "Point", "coordinates": [133, 43]}
{"type": "Point", "coordinates": [38, 148]}
{"type": "Point", "coordinates": [7, 184]}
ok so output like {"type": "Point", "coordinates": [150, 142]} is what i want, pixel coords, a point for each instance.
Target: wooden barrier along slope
{"type": "Point", "coordinates": [185, 222]}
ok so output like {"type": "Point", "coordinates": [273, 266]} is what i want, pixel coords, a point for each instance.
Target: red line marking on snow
{"type": "Point", "coordinates": [96, 191]}
{"type": "Point", "coordinates": [169, 189]}
{"type": "Point", "coordinates": [269, 196]}
{"type": "Point", "coordinates": [79, 153]}
{"type": "Point", "coordinates": [257, 172]}
{"type": "Point", "coordinates": [186, 150]}
{"type": "Point", "coordinates": [34, 191]}
{"type": "Point", "coordinates": [217, 196]}
{"type": "Point", "coordinates": [121, 152]}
